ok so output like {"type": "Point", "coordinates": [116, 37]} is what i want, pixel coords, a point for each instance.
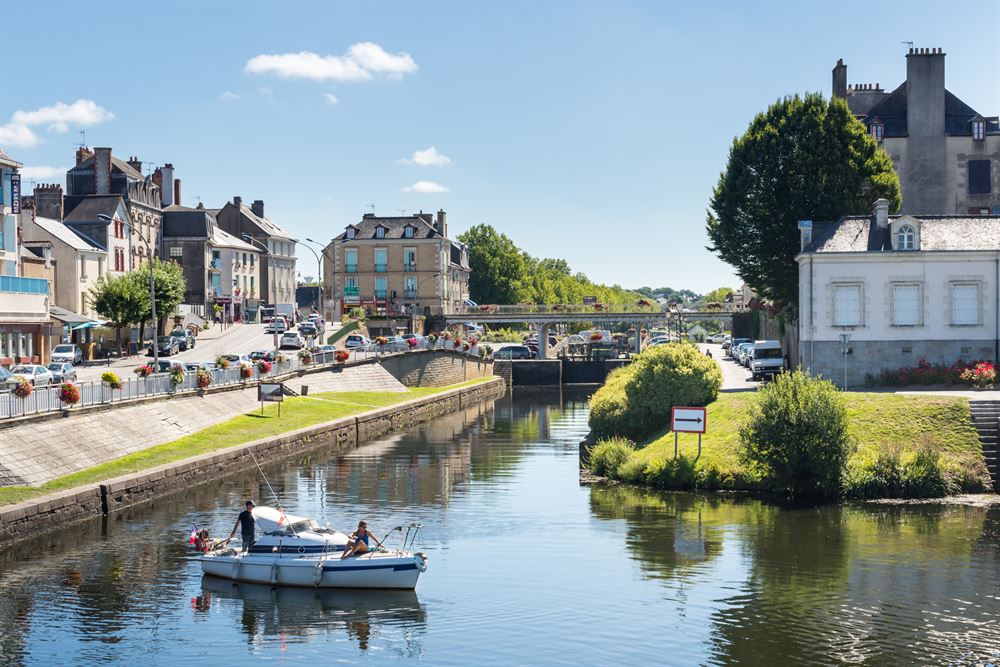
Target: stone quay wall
{"type": "Point", "coordinates": [32, 517]}
{"type": "Point", "coordinates": [436, 368]}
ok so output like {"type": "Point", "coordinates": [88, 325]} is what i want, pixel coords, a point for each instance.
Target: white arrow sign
{"type": "Point", "coordinates": [688, 420]}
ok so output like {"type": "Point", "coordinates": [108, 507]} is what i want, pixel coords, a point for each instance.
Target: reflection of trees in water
{"type": "Point", "coordinates": [394, 619]}
{"type": "Point", "coordinates": [14, 615]}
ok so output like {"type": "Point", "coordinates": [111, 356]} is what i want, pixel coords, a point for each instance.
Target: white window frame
{"type": "Point", "coordinates": [380, 232]}
{"type": "Point", "coordinates": [978, 130]}
{"type": "Point", "coordinates": [350, 233]}
{"type": "Point", "coordinates": [917, 319]}
{"type": "Point", "coordinates": [408, 232]}
{"type": "Point", "coordinates": [965, 285]}
{"type": "Point", "coordinates": [906, 237]}
{"type": "Point", "coordinates": [846, 323]}
{"type": "Point", "coordinates": [878, 131]}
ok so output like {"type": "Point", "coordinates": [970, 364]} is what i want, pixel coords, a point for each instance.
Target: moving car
{"type": "Point", "coordinates": [513, 352]}
{"type": "Point", "coordinates": [356, 340]}
{"type": "Point", "coordinates": [291, 340]}
{"type": "Point", "coordinates": [166, 345]}
{"type": "Point", "coordinates": [308, 329]}
{"type": "Point", "coordinates": [62, 372]}
{"type": "Point", "coordinates": [67, 353]}
{"type": "Point", "coordinates": [768, 359]}
{"type": "Point", "coordinates": [184, 338]}
{"type": "Point", "coordinates": [276, 325]}
{"type": "Point", "coordinates": [37, 375]}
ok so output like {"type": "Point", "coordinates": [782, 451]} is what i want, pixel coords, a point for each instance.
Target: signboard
{"type": "Point", "coordinates": [270, 392]}
{"type": "Point", "coordinates": [687, 420]}
{"type": "Point", "coordinates": [15, 193]}
{"type": "Point", "coordinates": [352, 300]}
{"type": "Point", "coordinates": [352, 291]}
{"type": "Point", "coordinates": [589, 300]}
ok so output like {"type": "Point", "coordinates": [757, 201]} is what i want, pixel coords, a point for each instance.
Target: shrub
{"type": "Point", "coordinates": [796, 434]}
{"type": "Point", "coordinates": [924, 475]}
{"type": "Point", "coordinates": [632, 471]}
{"type": "Point", "coordinates": [636, 400]}
{"type": "Point", "coordinates": [676, 473]}
{"type": "Point", "coordinates": [881, 476]}
{"type": "Point", "coordinates": [982, 375]}
{"type": "Point", "coordinates": [111, 379]}
{"type": "Point", "coordinates": [607, 455]}
{"type": "Point", "coordinates": [69, 393]}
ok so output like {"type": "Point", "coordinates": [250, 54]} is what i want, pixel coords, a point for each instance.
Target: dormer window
{"type": "Point", "coordinates": [905, 238]}
{"type": "Point", "coordinates": [350, 233]}
{"type": "Point", "coordinates": [978, 129]}
{"type": "Point", "coordinates": [380, 232]}
{"type": "Point", "coordinates": [877, 130]}
{"type": "Point", "coordinates": [408, 232]}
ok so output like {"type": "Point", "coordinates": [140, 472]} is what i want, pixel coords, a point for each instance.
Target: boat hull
{"type": "Point", "coordinates": [399, 571]}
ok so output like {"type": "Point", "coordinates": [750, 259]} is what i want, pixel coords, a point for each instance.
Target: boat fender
{"type": "Point", "coordinates": [421, 561]}
{"type": "Point", "coordinates": [274, 573]}
{"type": "Point", "coordinates": [318, 574]}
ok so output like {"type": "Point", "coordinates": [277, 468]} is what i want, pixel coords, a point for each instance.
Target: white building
{"type": "Point", "coordinates": [79, 262]}
{"type": "Point", "coordinates": [903, 287]}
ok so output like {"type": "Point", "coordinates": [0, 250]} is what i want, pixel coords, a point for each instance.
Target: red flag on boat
{"type": "Point", "coordinates": [194, 536]}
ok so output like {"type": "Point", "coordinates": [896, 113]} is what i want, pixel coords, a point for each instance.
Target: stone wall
{"type": "Point", "coordinates": [29, 518]}
{"type": "Point", "coordinates": [436, 368]}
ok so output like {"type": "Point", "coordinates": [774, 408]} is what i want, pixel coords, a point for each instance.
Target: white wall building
{"type": "Point", "coordinates": [903, 287]}
{"type": "Point", "coordinates": [79, 263]}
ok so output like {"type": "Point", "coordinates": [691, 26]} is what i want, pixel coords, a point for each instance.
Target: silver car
{"type": "Point", "coordinates": [39, 376]}
{"type": "Point", "coordinates": [62, 372]}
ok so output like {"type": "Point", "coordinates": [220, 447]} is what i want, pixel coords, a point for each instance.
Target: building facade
{"type": "Point", "coordinates": [883, 292]}
{"type": "Point", "coordinates": [104, 221]}
{"type": "Point", "coordinates": [276, 265]}
{"type": "Point", "coordinates": [79, 263]}
{"type": "Point", "coordinates": [947, 154]}
{"type": "Point", "coordinates": [396, 266]}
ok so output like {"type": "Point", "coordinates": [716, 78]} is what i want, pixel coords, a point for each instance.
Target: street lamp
{"type": "Point", "coordinates": [152, 286]}
{"type": "Point", "coordinates": [845, 341]}
{"type": "Point", "coordinates": [263, 247]}
{"type": "Point", "coordinates": [319, 265]}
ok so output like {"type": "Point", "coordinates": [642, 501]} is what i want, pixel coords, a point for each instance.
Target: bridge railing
{"type": "Point", "coordinates": [556, 309]}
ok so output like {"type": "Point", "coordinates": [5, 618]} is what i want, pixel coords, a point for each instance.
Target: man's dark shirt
{"type": "Point", "coordinates": [246, 523]}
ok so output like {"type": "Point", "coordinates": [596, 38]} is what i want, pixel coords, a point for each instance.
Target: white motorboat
{"type": "Point", "coordinates": [296, 551]}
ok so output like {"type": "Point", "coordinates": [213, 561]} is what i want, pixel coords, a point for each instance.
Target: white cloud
{"type": "Point", "coordinates": [13, 134]}
{"type": "Point", "coordinates": [429, 157]}
{"type": "Point", "coordinates": [229, 96]}
{"type": "Point", "coordinates": [360, 62]}
{"type": "Point", "coordinates": [59, 116]}
{"type": "Point", "coordinates": [43, 174]}
{"type": "Point", "coordinates": [330, 99]}
{"type": "Point", "coordinates": [425, 187]}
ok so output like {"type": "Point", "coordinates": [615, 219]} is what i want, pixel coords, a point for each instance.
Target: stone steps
{"type": "Point", "coordinates": [986, 420]}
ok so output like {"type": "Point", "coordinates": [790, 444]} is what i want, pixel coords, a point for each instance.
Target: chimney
{"type": "Point", "coordinates": [157, 179]}
{"type": "Point", "coordinates": [83, 154]}
{"type": "Point", "coordinates": [840, 79]}
{"type": "Point", "coordinates": [238, 202]}
{"type": "Point", "coordinates": [881, 213]}
{"type": "Point", "coordinates": [102, 171]}
{"type": "Point", "coordinates": [805, 234]}
{"type": "Point", "coordinates": [49, 201]}
{"type": "Point", "coordinates": [167, 187]}
{"type": "Point", "coordinates": [177, 191]}
{"type": "Point", "coordinates": [925, 99]}
{"type": "Point", "coordinates": [135, 163]}
{"type": "Point", "coordinates": [258, 207]}
{"type": "Point", "coordinates": [442, 223]}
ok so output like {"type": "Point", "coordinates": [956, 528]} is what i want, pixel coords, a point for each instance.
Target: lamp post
{"type": "Point", "coordinates": [319, 265]}
{"type": "Point", "coordinates": [252, 240]}
{"type": "Point", "coordinates": [845, 340]}
{"type": "Point", "coordinates": [152, 286]}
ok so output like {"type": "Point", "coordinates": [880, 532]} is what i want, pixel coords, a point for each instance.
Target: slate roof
{"type": "Point", "coordinates": [394, 227]}
{"type": "Point", "coordinates": [120, 165]}
{"type": "Point", "coordinates": [891, 111]}
{"type": "Point", "coordinates": [265, 224]}
{"type": "Point", "coordinates": [58, 230]}
{"type": "Point", "coordinates": [223, 239]}
{"type": "Point", "coordinates": [937, 233]}
{"type": "Point", "coordinates": [85, 208]}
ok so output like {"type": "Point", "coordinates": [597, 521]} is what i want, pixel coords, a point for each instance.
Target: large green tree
{"type": "Point", "coordinates": [802, 159]}
{"type": "Point", "coordinates": [120, 300]}
{"type": "Point", "coordinates": [497, 265]}
{"type": "Point", "coordinates": [169, 285]}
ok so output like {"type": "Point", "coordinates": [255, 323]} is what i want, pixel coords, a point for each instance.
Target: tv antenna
{"type": "Point", "coordinates": [909, 44]}
{"type": "Point", "coordinates": [83, 139]}
{"type": "Point", "coordinates": [372, 207]}
{"type": "Point", "coordinates": [402, 211]}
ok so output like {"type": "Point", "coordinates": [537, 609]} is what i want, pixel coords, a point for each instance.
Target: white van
{"type": "Point", "coordinates": [768, 359]}
{"type": "Point", "coordinates": [596, 336]}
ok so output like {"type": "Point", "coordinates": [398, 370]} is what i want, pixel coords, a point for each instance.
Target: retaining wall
{"type": "Point", "coordinates": [29, 518]}
{"type": "Point", "coordinates": [436, 368]}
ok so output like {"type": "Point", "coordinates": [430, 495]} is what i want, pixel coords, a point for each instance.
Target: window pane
{"type": "Point", "coordinates": [964, 304]}
{"type": "Point", "coordinates": [847, 306]}
{"type": "Point", "coordinates": [979, 177]}
{"type": "Point", "coordinates": [905, 305]}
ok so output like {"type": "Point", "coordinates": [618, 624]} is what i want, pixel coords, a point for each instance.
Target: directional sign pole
{"type": "Point", "coordinates": [675, 444]}
{"type": "Point", "coordinates": [699, 448]}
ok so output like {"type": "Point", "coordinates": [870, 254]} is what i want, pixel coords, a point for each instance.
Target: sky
{"type": "Point", "coordinates": [588, 131]}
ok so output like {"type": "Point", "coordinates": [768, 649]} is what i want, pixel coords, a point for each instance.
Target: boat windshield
{"type": "Point", "coordinates": [305, 524]}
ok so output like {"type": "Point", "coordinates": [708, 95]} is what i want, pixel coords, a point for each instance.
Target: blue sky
{"type": "Point", "coordinates": [589, 131]}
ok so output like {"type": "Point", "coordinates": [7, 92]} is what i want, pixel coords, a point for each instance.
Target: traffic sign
{"type": "Point", "coordinates": [687, 420]}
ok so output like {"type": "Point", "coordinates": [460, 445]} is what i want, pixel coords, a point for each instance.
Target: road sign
{"type": "Point", "coordinates": [589, 300]}
{"type": "Point", "coordinates": [687, 420]}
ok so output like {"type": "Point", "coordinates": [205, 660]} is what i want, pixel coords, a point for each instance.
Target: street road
{"type": "Point", "coordinates": [734, 376]}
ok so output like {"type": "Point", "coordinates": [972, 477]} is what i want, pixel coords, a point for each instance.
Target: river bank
{"type": "Point", "coordinates": [344, 420]}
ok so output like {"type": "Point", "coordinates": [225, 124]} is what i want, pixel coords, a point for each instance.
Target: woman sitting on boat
{"type": "Point", "coordinates": [358, 541]}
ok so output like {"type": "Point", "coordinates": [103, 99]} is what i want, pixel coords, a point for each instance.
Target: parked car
{"type": "Point", "coordinates": [324, 349]}
{"type": "Point", "coordinates": [184, 338]}
{"type": "Point", "coordinates": [513, 352]}
{"type": "Point", "coordinates": [165, 366]}
{"type": "Point", "coordinates": [236, 358]}
{"type": "Point", "coordinates": [266, 355]}
{"type": "Point", "coordinates": [276, 325]}
{"type": "Point", "coordinates": [67, 353]}
{"type": "Point", "coordinates": [747, 357]}
{"type": "Point", "coordinates": [320, 323]}
{"type": "Point", "coordinates": [734, 345]}
{"type": "Point", "coordinates": [166, 345]}
{"type": "Point", "coordinates": [591, 339]}
{"type": "Point", "coordinates": [62, 372]}
{"type": "Point", "coordinates": [5, 377]}
{"type": "Point", "coordinates": [291, 340]}
{"type": "Point", "coordinates": [308, 329]}
{"type": "Point", "coordinates": [768, 359]}
{"type": "Point", "coordinates": [35, 374]}
{"type": "Point", "coordinates": [356, 340]}
{"type": "Point", "coordinates": [727, 343]}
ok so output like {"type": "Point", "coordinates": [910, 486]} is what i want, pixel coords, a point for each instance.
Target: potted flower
{"type": "Point", "coordinates": [143, 371]}
{"type": "Point", "coordinates": [596, 337]}
{"type": "Point", "coordinates": [280, 357]}
{"type": "Point", "coordinates": [246, 371]}
{"type": "Point", "coordinates": [222, 362]}
{"type": "Point", "coordinates": [69, 393]}
{"type": "Point", "coordinates": [644, 303]}
{"type": "Point", "coordinates": [381, 340]}
{"type": "Point", "coordinates": [412, 342]}
{"type": "Point", "coordinates": [21, 387]}
{"type": "Point", "coordinates": [264, 366]}
{"type": "Point", "coordinates": [598, 306]}
{"type": "Point", "coordinates": [305, 356]}
{"type": "Point", "coordinates": [176, 375]}
{"type": "Point", "coordinates": [982, 375]}
{"type": "Point", "coordinates": [202, 378]}
{"type": "Point", "coordinates": [341, 356]}
{"type": "Point", "coordinates": [431, 339]}
{"type": "Point", "coordinates": [111, 379]}
{"type": "Point", "coordinates": [466, 347]}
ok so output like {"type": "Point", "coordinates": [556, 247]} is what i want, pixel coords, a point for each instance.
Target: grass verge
{"type": "Point", "coordinates": [296, 412]}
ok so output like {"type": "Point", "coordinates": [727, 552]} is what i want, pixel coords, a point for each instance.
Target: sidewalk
{"type": "Point", "coordinates": [216, 331]}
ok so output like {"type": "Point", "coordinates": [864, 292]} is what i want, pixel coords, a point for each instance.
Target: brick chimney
{"type": "Point", "coordinates": [258, 207]}
{"type": "Point", "coordinates": [840, 79]}
{"type": "Point", "coordinates": [102, 171]}
{"type": "Point", "coordinates": [135, 163]}
{"type": "Point", "coordinates": [442, 223]}
{"type": "Point", "coordinates": [177, 191]}
{"type": "Point", "coordinates": [83, 154]}
{"type": "Point", "coordinates": [157, 179]}
{"type": "Point", "coordinates": [881, 213]}
{"type": "Point", "coordinates": [238, 202]}
{"type": "Point", "coordinates": [49, 201]}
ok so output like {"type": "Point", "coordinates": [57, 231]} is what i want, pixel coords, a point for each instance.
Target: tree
{"type": "Point", "coordinates": [168, 283]}
{"type": "Point", "coordinates": [120, 300]}
{"type": "Point", "coordinates": [497, 266]}
{"type": "Point", "coordinates": [718, 295]}
{"type": "Point", "coordinates": [802, 159]}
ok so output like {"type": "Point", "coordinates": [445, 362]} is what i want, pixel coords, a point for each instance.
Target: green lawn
{"type": "Point", "coordinates": [876, 420]}
{"type": "Point", "coordinates": [296, 413]}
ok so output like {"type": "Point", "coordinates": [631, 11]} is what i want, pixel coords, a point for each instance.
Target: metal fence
{"type": "Point", "coordinates": [46, 399]}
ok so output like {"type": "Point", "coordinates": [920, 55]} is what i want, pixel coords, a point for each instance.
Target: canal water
{"type": "Point", "coordinates": [527, 567]}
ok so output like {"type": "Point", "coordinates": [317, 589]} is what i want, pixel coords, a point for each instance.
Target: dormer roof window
{"type": "Point", "coordinates": [380, 232]}
{"type": "Point", "coordinates": [408, 231]}
{"type": "Point", "coordinates": [877, 130]}
{"type": "Point", "coordinates": [351, 232]}
{"type": "Point", "coordinates": [978, 128]}
{"type": "Point", "coordinates": [905, 238]}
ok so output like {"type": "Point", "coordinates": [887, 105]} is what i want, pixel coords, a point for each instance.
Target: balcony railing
{"type": "Point", "coordinates": [18, 285]}
{"type": "Point", "coordinates": [381, 293]}
{"type": "Point", "coordinates": [410, 266]}
{"type": "Point", "coordinates": [381, 268]}
{"type": "Point", "coordinates": [409, 294]}
{"type": "Point", "coordinates": [351, 268]}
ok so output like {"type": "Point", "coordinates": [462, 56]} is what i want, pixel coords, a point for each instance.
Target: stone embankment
{"type": "Point", "coordinates": [30, 518]}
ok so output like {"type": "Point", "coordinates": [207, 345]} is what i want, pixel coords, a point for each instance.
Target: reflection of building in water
{"type": "Point", "coordinates": [394, 619]}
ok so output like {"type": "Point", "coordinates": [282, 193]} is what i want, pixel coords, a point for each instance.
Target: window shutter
{"type": "Point", "coordinates": [847, 306]}
{"type": "Point", "coordinates": [905, 305]}
{"type": "Point", "coordinates": [979, 177]}
{"type": "Point", "coordinates": [964, 304]}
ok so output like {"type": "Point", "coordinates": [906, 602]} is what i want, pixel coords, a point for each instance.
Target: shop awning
{"type": "Point", "coordinates": [87, 325]}
{"type": "Point", "coordinates": [68, 316]}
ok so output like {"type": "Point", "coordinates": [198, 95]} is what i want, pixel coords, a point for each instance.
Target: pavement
{"type": "Point", "coordinates": [734, 376]}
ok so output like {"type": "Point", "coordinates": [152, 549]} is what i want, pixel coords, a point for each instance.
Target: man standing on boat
{"type": "Point", "coordinates": [246, 523]}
